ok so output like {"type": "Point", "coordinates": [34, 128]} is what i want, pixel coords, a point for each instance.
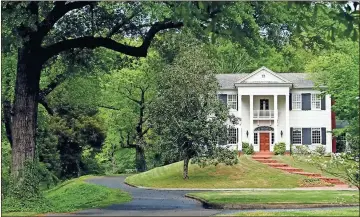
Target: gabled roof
{"type": "Point", "coordinates": [263, 69]}
{"type": "Point", "coordinates": [299, 80]}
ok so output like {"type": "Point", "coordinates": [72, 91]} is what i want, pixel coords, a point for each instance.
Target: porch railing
{"type": "Point", "coordinates": [266, 114]}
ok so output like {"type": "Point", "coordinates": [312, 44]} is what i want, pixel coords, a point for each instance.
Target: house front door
{"type": "Point", "coordinates": [264, 142]}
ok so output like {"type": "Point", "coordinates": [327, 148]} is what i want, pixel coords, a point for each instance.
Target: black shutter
{"type": "Point", "coordinates": [237, 135]}
{"type": "Point", "coordinates": [291, 135]}
{"type": "Point", "coordinates": [223, 98]}
{"type": "Point", "coordinates": [237, 102]}
{"type": "Point", "coordinates": [305, 101]}
{"type": "Point", "coordinates": [323, 135]}
{"type": "Point", "coordinates": [306, 136]}
{"type": "Point", "coordinates": [323, 103]}
{"type": "Point", "coordinates": [290, 101]}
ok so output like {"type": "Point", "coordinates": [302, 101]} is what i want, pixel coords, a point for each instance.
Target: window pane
{"type": "Point", "coordinates": [296, 101]}
{"type": "Point", "coordinates": [232, 135]}
{"type": "Point", "coordinates": [315, 136]}
{"type": "Point", "coordinates": [296, 134]}
{"type": "Point", "coordinates": [232, 101]}
{"type": "Point", "coordinates": [255, 138]}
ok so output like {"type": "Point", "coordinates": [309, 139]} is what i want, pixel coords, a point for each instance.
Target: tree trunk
{"type": "Point", "coordinates": [24, 120]}
{"type": "Point", "coordinates": [140, 159]}
{"type": "Point", "coordinates": [186, 167]}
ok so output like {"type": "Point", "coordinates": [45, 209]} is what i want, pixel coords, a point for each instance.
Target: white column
{"type": "Point", "coordinates": [275, 120]}
{"type": "Point", "coordinates": [239, 115]}
{"type": "Point", "coordinates": [287, 125]}
{"type": "Point", "coordinates": [251, 128]}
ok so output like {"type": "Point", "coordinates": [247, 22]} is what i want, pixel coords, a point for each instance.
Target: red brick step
{"type": "Point", "coordinates": [308, 174]}
{"type": "Point", "coordinates": [266, 160]}
{"type": "Point", "coordinates": [277, 165]}
{"type": "Point", "coordinates": [290, 169]}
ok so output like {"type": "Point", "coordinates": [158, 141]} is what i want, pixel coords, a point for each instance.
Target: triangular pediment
{"type": "Point", "coordinates": [263, 75]}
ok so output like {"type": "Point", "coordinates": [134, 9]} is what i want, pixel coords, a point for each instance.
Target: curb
{"type": "Point", "coordinates": [209, 205]}
{"type": "Point", "coordinates": [240, 189]}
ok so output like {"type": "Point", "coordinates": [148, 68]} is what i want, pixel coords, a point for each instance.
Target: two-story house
{"type": "Point", "coordinates": [276, 107]}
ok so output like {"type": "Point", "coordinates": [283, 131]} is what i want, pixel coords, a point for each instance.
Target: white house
{"type": "Point", "coordinates": [276, 107]}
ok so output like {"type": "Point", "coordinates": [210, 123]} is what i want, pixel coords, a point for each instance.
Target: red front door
{"type": "Point", "coordinates": [264, 142]}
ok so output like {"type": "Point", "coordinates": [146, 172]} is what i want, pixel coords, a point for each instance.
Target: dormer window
{"type": "Point", "coordinates": [263, 75]}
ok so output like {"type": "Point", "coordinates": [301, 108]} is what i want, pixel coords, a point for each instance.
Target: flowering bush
{"type": "Point", "coordinates": [342, 165]}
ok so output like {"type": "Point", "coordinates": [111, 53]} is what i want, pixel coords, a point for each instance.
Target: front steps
{"type": "Point", "coordinates": [266, 158]}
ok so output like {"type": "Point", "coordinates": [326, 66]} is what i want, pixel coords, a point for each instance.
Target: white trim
{"type": "Point", "coordinates": [267, 70]}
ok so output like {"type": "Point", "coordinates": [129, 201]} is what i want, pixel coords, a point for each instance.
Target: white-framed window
{"type": "Point", "coordinates": [296, 136]}
{"type": "Point", "coordinates": [272, 138]}
{"type": "Point", "coordinates": [315, 101]}
{"type": "Point", "coordinates": [255, 138]}
{"type": "Point", "coordinates": [232, 135]}
{"type": "Point", "coordinates": [232, 101]}
{"type": "Point", "coordinates": [296, 101]}
{"type": "Point", "coordinates": [315, 135]}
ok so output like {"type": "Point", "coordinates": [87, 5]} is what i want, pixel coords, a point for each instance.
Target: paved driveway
{"type": "Point", "coordinates": [152, 202]}
{"type": "Point", "coordinates": [148, 202]}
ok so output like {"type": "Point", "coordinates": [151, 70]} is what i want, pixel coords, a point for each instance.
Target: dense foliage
{"type": "Point", "coordinates": [279, 148]}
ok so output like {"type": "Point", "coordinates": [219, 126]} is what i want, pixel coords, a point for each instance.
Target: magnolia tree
{"type": "Point", "coordinates": [187, 114]}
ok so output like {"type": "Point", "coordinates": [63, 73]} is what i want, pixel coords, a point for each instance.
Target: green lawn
{"type": "Point", "coordinates": [247, 174]}
{"type": "Point", "coordinates": [331, 212]}
{"type": "Point", "coordinates": [69, 196]}
{"type": "Point", "coordinates": [294, 161]}
{"type": "Point", "coordinates": [278, 197]}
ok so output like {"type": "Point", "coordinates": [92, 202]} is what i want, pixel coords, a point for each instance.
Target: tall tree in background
{"type": "Point", "coordinates": [129, 92]}
{"type": "Point", "coordinates": [186, 113]}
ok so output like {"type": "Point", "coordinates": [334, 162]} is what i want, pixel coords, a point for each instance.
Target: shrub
{"type": "Point", "coordinates": [302, 150]}
{"type": "Point", "coordinates": [279, 148]}
{"type": "Point", "coordinates": [320, 150]}
{"type": "Point", "coordinates": [247, 148]}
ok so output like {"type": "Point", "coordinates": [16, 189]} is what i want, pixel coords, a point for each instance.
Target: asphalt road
{"type": "Point", "coordinates": [147, 202]}
{"type": "Point", "coordinates": [152, 202]}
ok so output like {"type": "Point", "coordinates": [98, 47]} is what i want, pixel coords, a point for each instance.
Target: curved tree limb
{"type": "Point", "coordinates": [94, 42]}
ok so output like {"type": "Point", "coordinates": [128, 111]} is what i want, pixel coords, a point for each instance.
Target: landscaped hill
{"type": "Point", "coordinates": [247, 174]}
{"type": "Point", "coordinates": [71, 195]}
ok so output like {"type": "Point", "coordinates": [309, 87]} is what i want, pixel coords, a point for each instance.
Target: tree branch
{"type": "Point", "coordinates": [109, 107]}
{"type": "Point", "coordinates": [45, 103]}
{"type": "Point", "coordinates": [94, 42]}
{"type": "Point", "coordinates": [59, 10]}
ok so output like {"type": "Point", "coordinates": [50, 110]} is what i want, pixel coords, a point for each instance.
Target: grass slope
{"type": "Point", "coordinates": [247, 174]}
{"type": "Point", "coordinates": [331, 212]}
{"type": "Point", "coordinates": [72, 195]}
{"type": "Point", "coordinates": [297, 163]}
{"type": "Point", "coordinates": [275, 197]}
